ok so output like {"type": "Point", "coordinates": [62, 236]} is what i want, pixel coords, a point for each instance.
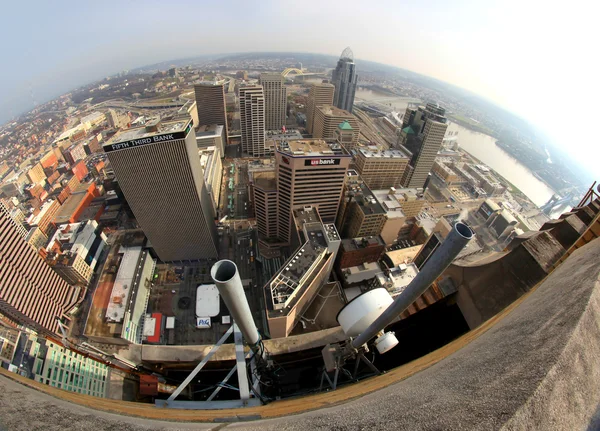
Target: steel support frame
{"type": "Point", "coordinates": [240, 367]}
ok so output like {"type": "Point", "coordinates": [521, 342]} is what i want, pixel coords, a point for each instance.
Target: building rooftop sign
{"type": "Point", "coordinates": [139, 136]}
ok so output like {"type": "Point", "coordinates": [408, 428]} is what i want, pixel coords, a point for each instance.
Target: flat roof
{"type": "Point", "coordinates": [285, 286]}
{"type": "Point", "coordinates": [123, 283]}
{"type": "Point", "coordinates": [334, 111]}
{"type": "Point", "coordinates": [392, 202]}
{"type": "Point", "coordinates": [353, 244]}
{"type": "Point", "coordinates": [382, 154]}
{"type": "Point", "coordinates": [279, 135]}
{"type": "Point", "coordinates": [208, 131]}
{"type": "Point", "coordinates": [401, 276]}
{"type": "Point", "coordinates": [311, 147]}
{"type": "Point", "coordinates": [142, 132]}
{"type": "Point", "coordinates": [70, 205]}
{"type": "Point", "coordinates": [365, 199]}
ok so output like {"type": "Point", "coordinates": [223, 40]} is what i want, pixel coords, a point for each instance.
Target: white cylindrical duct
{"type": "Point", "coordinates": [228, 281]}
{"type": "Point", "coordinates": [441, 258]}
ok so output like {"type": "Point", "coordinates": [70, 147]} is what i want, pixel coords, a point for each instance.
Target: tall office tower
{"type": "Point", "coordinates": [210, 103]}
{"type": "Point", "coordinates": [252, 120]}
{"type": "Point", "coordinates": [344, 78]}
{"type": "Point", "coordinates": [265, 204]}
{"type": "Point", "coordinates": [360, 215]}
{"type": "Point", "coordinates": [309, 173]}
{"type": "Point", "coordinates": [320, 94]}
{"type": "Point", "coordinates": [381, 169]}
{"type": "Point", "coordinates": [422, 136]}
{"type": "Point", "coordinates": [275, 94]}
{"type": "Point", "coordinates": [159, 172]}
{"type": "Point", "coordinates": [30, 291]}
{"type": "Point", "coordinates": [328, 118]}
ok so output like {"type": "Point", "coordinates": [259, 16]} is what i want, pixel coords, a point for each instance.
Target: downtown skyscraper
{"type": "Point", "coordinates": [275, 94]}
{"type": "Point", "coordinates": [210, 103]}
{"type": "Point", "coordinates": [31, 292]}
{"type": "Point", "coordinates": [320, 94]}
{"type": "Point", "coordinates": [423, 131]}
{"type": "Point", "coordinates": [344, 78]}
{"type": "Point", "coordinates": [309, 173]}
{"type": "Point", "coordinates": [252, 120]}
{"type": "Point", "coordinates": [158, 169]}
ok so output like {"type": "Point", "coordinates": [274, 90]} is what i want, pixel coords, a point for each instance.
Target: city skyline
{"type": "Point", "coordinates": [181, 214]}
{"type": "Point", "coordinates": [463, 44]}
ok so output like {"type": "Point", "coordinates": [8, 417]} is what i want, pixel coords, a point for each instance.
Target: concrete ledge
{"type": "Point", "coordinates": [534, 366]}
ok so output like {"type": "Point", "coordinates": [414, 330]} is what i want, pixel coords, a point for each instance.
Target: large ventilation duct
{"type": "Point", "coordinates": [440, 260]}
{"type": "Point", "coordinates": [227, 279]}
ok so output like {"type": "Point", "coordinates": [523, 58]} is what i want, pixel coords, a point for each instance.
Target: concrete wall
{"type": "Point", "coordinates": [486, 287]}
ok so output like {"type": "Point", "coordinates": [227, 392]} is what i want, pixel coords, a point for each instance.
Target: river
{"type": "Point", "coordinates": [480, 145]}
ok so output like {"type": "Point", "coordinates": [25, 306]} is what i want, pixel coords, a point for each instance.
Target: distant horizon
{"type": "Point", "coordinates": [155, 65]}
{"type": "Point", "coordinates": [227, 54]}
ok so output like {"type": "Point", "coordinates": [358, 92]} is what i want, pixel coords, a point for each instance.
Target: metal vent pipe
{"type": "Point", "coordinates": [227, 279]}
{"type": "Point", "coordinates": [458, 237]}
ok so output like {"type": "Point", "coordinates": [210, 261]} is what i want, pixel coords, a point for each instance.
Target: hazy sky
{"type": "Point", "coordinates": [537, 58]}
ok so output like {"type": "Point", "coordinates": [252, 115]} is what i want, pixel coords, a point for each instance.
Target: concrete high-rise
{"type": "Point", "coordinates": [252, 120]}
{"type": "Point", "coordinates": [31, 293]}
{"type": "Point", "coordinates": [309, 173]}
{"type": "Point", "coordinates": [381, 169]}
{"type": "Point", "coordinates": [422, 134]}
{"type": "Point", "coordinates": [360, 215]}
{"type": "Point", "coordinates": [328, 118]}
{"type": "Point", "coordinates": [344, 78]}
{"type": "Point", "coordinates": [210, 103]}
{"type": "Point", "coordinates": [319, 94]}
{"type": "Point", "coordinates": [158, 169]}
{"type": "Point", "coordinates": [275, 94]}
{"type": "Point", "coordinates": [265, 204]}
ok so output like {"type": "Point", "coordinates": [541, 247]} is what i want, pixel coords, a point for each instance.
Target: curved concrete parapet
{"type": "Point", "coordinates": [534, 366]}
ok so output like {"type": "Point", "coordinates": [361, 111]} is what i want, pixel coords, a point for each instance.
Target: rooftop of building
{"type": "Point", "coordinates": [209, 83]}
{"type": "Point", "coordinates": [151, 128]}
{"type": "Point", "coordinates": [364, 197]}
{"type": "Point", "coordinates": [311, 147]}
{"type": "Point", "coordinates": [354, 244]}
{"type": "Point", "coordinates": [403, 255]}
{"type": "Point", "coordinates": [97, 324]}
{"type": "Point", "coordinates": [280, 135]}
{"type": "Point", "coordinates": [265, 180]}
{"type": "Point", "coordinates": [361, 273]}
{"type": "Point", "coordinates": [69, 232]}
{"type": "Point", "coordinates": [323, 84]}
{"type": "Point", "coordinates": [392, 199]}
{"type": "Point", "coordinates": [334, 111]}
{"type": "Point", "coordinates": [398, 278]}
{"type": "Point", "coordinates": [373, 152]}
{"type": "Point", "coordinates": [123, 284]}
{"type": "Point", "coordinates": [285, 288]}
{"type": "Point", "coordinates": [208, 131]}
{"type": "Point", "coordinates": [69, 206]}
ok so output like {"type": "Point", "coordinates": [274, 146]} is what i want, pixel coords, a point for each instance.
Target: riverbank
{"type": "Point", "coordinates": [472, 125]}
{"type": "Point", "coordinates": [513, 189]}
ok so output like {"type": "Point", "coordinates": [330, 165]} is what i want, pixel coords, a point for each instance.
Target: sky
{"type": "Point", "coordinates": [538, 59]}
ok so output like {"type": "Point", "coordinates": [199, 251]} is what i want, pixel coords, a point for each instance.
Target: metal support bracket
{"type": "Point", "coordinates": [244, 390]}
